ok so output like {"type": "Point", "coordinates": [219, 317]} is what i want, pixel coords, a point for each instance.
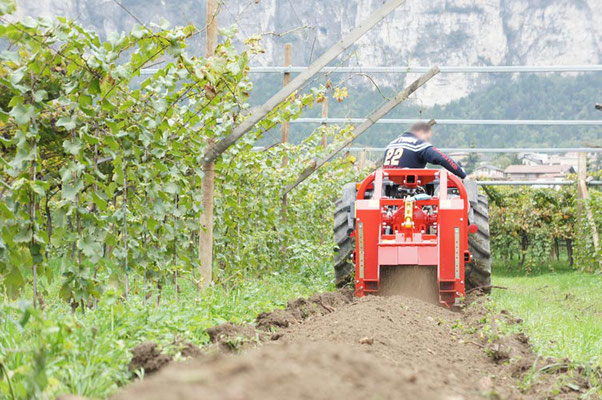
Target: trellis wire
{"type": "Point", "coordinates": [421, 69]}
{"type": "Point", "coordinates": [541, 122]}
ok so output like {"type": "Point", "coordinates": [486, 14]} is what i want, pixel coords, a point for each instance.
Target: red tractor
{"type": "Point", "coordinates": [421, 232]}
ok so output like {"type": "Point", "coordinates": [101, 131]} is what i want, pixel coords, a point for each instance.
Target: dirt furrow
{"type": "Point", "coordinates": [374, 347]}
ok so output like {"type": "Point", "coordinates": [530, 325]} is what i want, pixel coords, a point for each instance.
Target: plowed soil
{"type": "Point", "coordinates": [334, 347]}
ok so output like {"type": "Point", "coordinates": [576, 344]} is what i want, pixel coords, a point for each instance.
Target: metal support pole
{"type": "Point", "coordinates": [371, 120]}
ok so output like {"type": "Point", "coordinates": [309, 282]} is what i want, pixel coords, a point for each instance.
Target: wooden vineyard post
{"type": "Point", "coordinates": [581, 176]}
{"type": "Point", "coordinates": [285, 81]}
{"type": "Point", "coordinates": [288, 60]}
{"type": "Point", "coordinates": [212, 11]}
{"type": "Point", "coordinates": [125, 232]}
{"type": "Point", "coordinates": [583, 205]}
{"type": "Point", "coordinates": [32, 204]}
{"type": "Point", "coordinates": [324, 123]}
{"type": "Point", "coordinates": [208, 182]}
{"type": "Point", "coordinates": [361, 159]}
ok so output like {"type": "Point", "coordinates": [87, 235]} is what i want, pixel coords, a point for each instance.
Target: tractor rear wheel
{"type": "Point", "coordinates": [343, 227]}
{"type": "Point", "coordinates": [478, 271]}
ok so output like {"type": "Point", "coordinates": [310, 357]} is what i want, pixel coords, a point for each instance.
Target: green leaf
{"type": "Point", "coordinates": [69, 191]}
{"type": "Point", "coordinates": [13, 281]}
{"type": "Point", "coordinates": [100, 202]}
{"type": "Point", "coordinates": [18, 99]}
{"type": "Point", "coordinates": [90, 248]}
{"type": "Point", "coordinates": [72, 146]}
{"type": "Point", "coordinates": [23, 236]}
{"type": "Point", "coordinates": [138, 31]}
{"type": "Point", "coordinates": [94, 86]}
{"type": "Point", "coordinates": [25, 317]}
{"type": "Point", "coordinates": [39, 188]}
{"type": "Point", "coordinates": [35, 249]}
{"type": "Point", "coordinates": [172, 188]}
{"type": "Point", "coordinates": [5, 212]}
{"type": "Point", "coordinates": [85, 100]}
{"type": "Point", "coordinates": [40, 95]}
{"type": "Point", "coordinates": [65, 292]}
{"type": "Point", "coordinates": [22, 113]}
{"type": "Point", "coordinates": [17, 75]}
{"type": "Point", "coordinates": [163, 23]}
{"type": "Point", "coordinates": [111, 143]}
{"type": "Point", "coordinates": [7, 7]}
{"type": "Point", "coordinates": [29, 22]}
{"type": "Point", "coordinates": [67, 122]}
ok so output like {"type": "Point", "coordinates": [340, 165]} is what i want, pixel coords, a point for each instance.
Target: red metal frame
{"type": "Point", "coordinates": [409, 241]}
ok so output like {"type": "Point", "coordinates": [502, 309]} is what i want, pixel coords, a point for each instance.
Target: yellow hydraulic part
{"type": "Point", "coordinates": [408, 219]}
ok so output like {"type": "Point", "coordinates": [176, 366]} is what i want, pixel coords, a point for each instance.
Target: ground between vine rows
{"type": "Point", "coordinates": [332, 346]}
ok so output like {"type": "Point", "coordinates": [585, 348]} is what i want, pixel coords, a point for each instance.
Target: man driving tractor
{"type": "Point", "coordinates": [403, 215]}
{"type": "Point", "coordinates": [413, 150]}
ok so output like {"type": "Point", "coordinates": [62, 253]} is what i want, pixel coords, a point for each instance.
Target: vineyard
{"type": "Point", "coordinates": [535, 226]}
{"type": "Point", "coordinates": [101, 201]}
{"type": "Point", "coordinates": [101, 185]}
{"type": "Point", "coordinates": [100, 173]}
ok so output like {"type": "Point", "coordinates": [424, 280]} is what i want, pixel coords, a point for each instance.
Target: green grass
{"type": "Point", "coordinates": [561, 309]}
{"type": "Point", "coordinates": [52, 352]}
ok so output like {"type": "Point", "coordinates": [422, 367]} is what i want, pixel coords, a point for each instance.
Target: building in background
{"type": "Point", "coordinates": [571, 158]}
{"type": "Point", "coordinates": [537, 172]}
{"type": "Point", "coordinates": [488, 171]}
{"type": "Point", "coordinates": [533, 158]}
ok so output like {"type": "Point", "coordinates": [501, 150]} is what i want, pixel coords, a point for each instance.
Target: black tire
{"type": "Point", "coordinates": [478, 271]}
{"type": "Point", "coordinates": [343, 227]}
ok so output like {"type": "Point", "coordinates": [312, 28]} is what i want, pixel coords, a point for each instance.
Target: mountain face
{"type": "Point", "coordinates": [420, 32]}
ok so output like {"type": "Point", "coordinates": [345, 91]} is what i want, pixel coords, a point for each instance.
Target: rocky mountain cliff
{"type": "Point", "coordinates": [443, 32]}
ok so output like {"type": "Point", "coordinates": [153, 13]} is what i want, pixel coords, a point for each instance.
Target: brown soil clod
{"type": "Point", "coordinates": [301, 309]}
{"type": "Point", "coordinates": [275, 319]}
{"type": "Point", "coordinates": [190, 350]}
{"type": "Point", "coordinates": [232, 337]}
{"type": "Point", "coordinates": [499, 352]}
{"type": "Point", "coordinates": [185, 348]}
{"type": "Point", "coordinates": [366, 340]}
{"type": "Point", "coordinates": [148, 357]}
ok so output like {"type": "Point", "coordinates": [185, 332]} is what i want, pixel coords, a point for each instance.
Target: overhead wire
{"type": "Point", "coordinates": [131, 14]}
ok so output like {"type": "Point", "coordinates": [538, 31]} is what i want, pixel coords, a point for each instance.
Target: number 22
{"type": "Point", "coordinates": [392, 157]}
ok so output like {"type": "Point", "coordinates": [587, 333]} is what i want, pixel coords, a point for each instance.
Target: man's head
{"type": "Point", "coordinates": [422, 130]}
